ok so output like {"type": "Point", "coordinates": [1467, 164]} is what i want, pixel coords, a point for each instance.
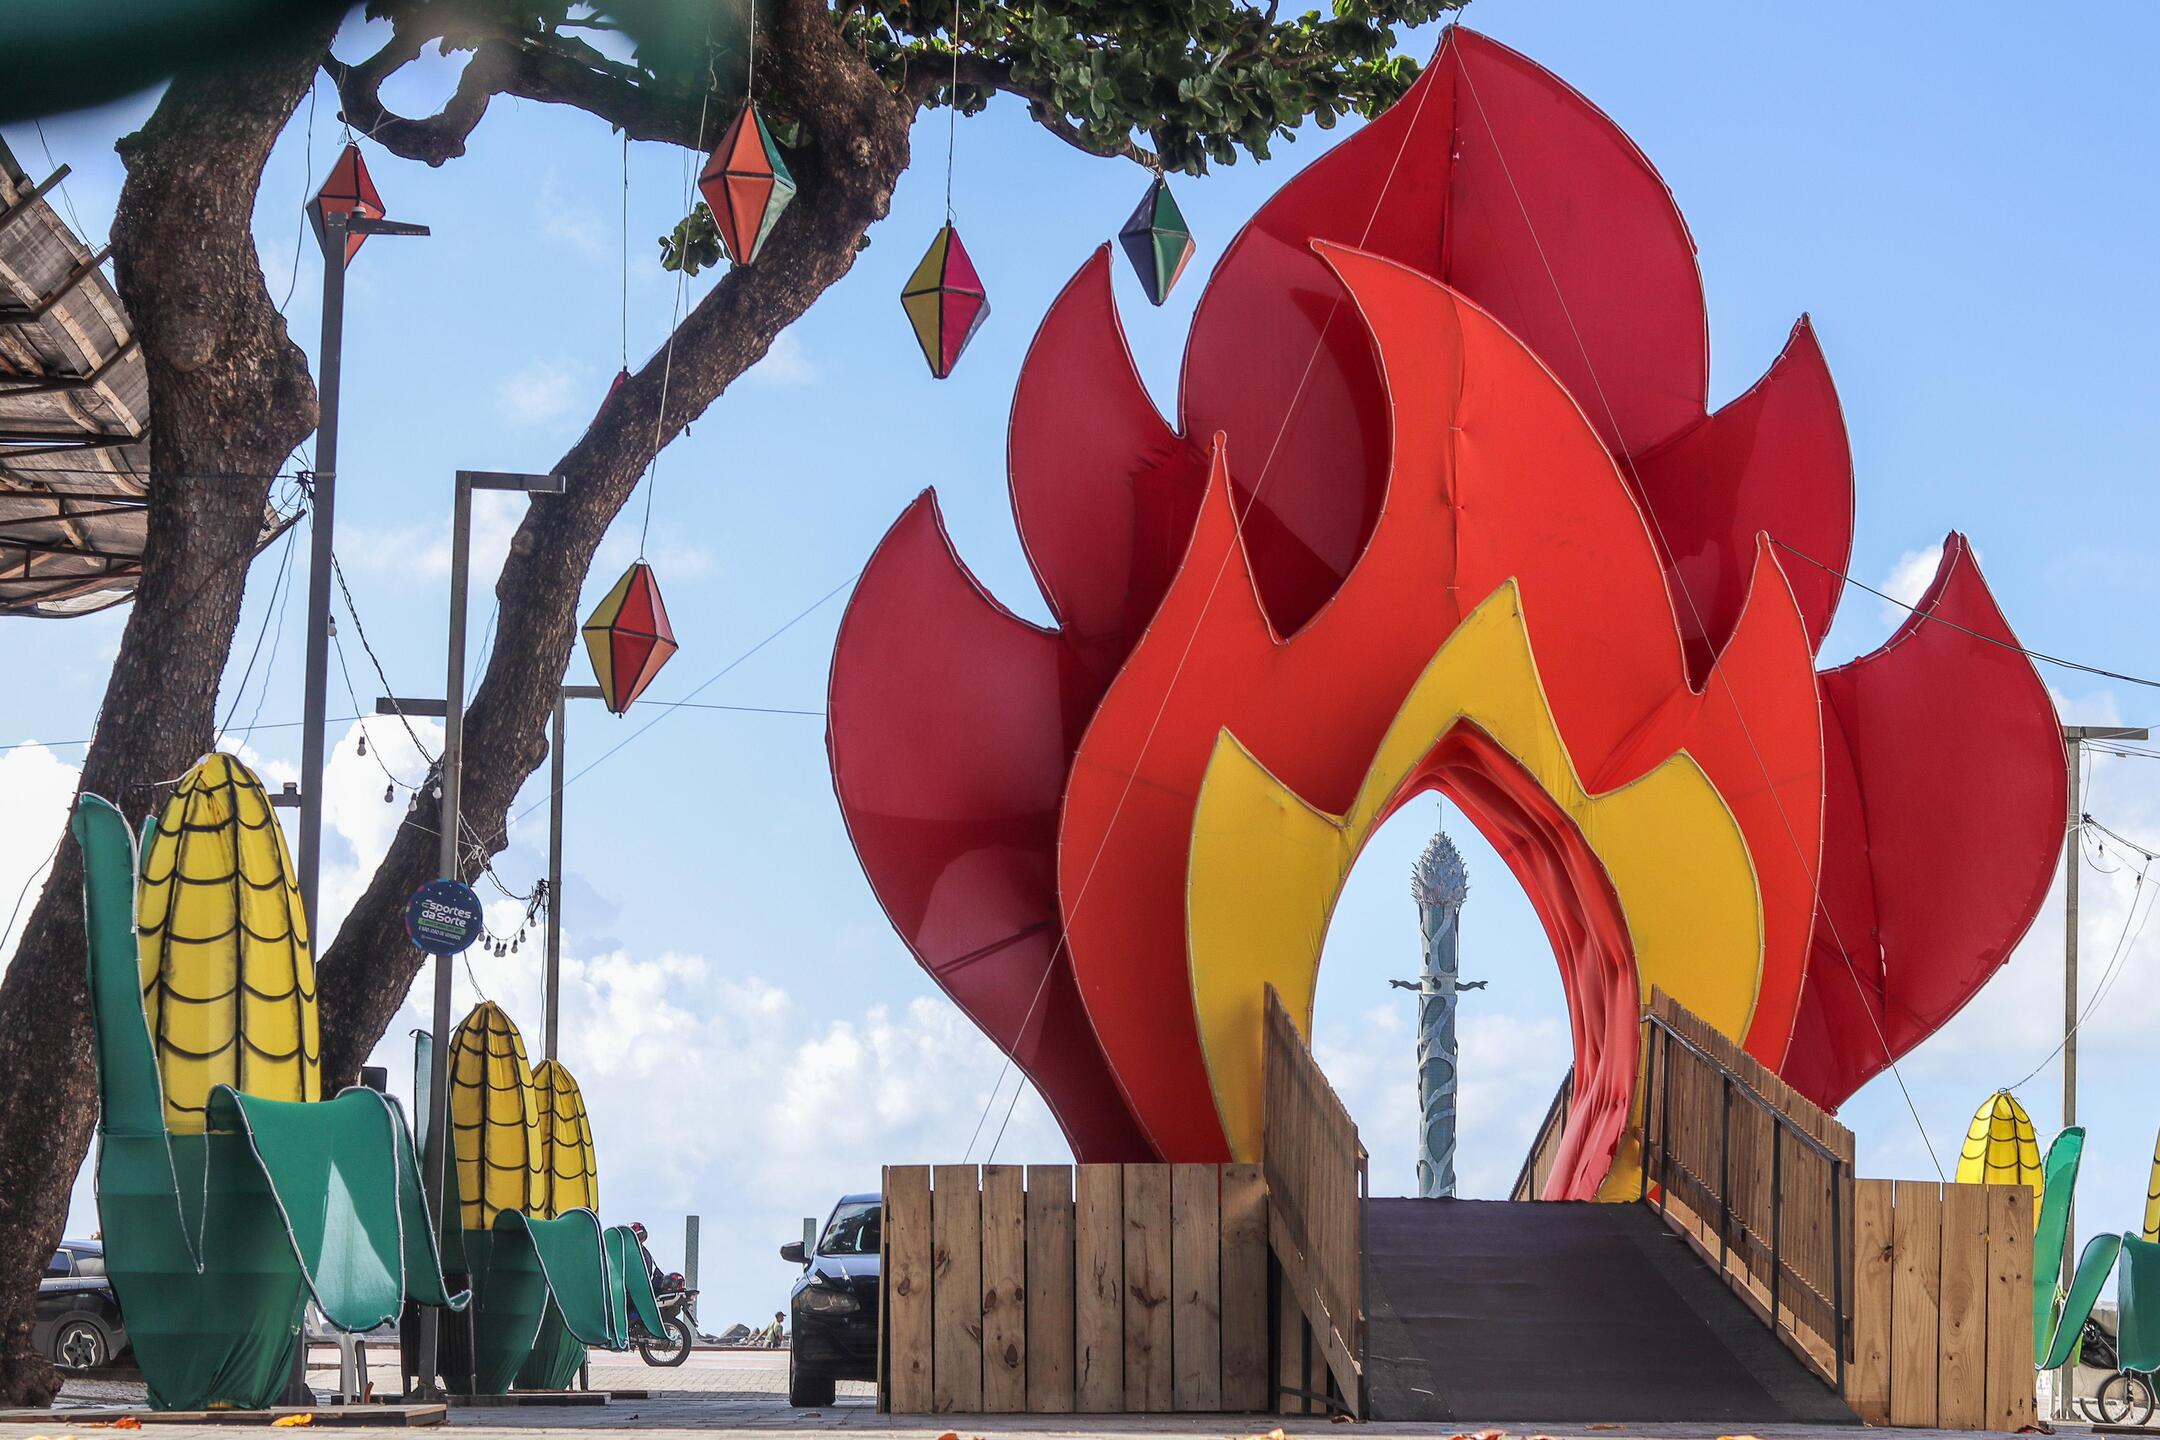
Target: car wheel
{"type": "Point", "coordinates": [810, 1392]}
{"type": "Point", "coordinates": [79, 1345]}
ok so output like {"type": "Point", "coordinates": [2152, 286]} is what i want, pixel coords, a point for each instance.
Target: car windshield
{"type": "Point", "coordinates": [853, 1230]}
{"type": "Point", "coordinates": [58, 1265]}
{"type": "Point", "coordinates": [89, 1264]}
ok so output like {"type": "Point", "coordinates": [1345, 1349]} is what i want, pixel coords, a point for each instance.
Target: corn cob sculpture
{"type": "Point", "coordinates": [548, 1280]}
{"type": "Point", "coordinates": [229, 1190]}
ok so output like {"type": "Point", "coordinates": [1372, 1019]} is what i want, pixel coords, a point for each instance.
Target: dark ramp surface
{"type": "Point", "coordinates": [1487, 1310]}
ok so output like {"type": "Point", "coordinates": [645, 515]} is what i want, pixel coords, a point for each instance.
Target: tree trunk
{"type": "Point", "coordinates": [859, 133]}
{"type": "Point", "coordinates": [230, 396]}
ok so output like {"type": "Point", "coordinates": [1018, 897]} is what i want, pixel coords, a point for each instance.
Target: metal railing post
{"type": "Point", "coordinates": [1664, 1124]}
{"type": "Point", "coordinates": [1777, 1217]}
{"type": "Point", "coordinates": [1724, 1170]}
{"type": "Point", "coordinates": [1649, 1078]}
{"type": "Point", "coordinates": [1837, 1266]}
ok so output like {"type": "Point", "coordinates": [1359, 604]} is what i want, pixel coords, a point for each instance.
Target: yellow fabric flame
{"type": "Point", "coordinates": [1267, 868]}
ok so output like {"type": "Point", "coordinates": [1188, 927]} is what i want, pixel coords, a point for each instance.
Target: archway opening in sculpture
{"type": "Point", "coordinates": [1535, 875]}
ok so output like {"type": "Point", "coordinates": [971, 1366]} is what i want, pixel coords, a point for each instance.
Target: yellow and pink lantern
{"type": "Point", "coordinates": [945, 302]}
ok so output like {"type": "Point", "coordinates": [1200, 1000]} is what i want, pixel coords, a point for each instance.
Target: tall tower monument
{"type": "Point", "coordinates": [1439, 882]}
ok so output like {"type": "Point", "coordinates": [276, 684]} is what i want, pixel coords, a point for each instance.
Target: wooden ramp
{"type": "Point", "coordinates": [1491, 1310]}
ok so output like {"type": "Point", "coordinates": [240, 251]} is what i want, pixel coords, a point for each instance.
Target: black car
{"type": "Point", "coordinates": [834, 1307]}
{"type": "Point", "coordinates": [78, 1322]}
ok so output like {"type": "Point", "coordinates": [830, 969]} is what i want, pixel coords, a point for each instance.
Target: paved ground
{"type": "Point", "coordinates": [744, 1393]}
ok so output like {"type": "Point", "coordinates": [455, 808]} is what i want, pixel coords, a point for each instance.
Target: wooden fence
{"type": "Point", "coordinates": [1058, 1288]}
{"type": "Point", "coordinates": [1942, 1305]}
{"type": "Point", "coordinates": [1758, 1179]}
{"type": "Point", "coordinates": [1316, 1188]}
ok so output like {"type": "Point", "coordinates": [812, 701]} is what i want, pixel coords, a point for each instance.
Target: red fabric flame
{"type": "Point", "coordinates": [1944, 820]}
{"type": "Point", "coordinates": [954, 724]}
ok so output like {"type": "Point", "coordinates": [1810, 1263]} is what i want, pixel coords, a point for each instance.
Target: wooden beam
{"type": "Point", "coordinates": [31, 314]}
{"type": "Point", "coordinates": [37, 192]}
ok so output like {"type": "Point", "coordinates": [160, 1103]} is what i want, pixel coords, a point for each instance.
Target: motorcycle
{"type": "Point", "coordinates": [671, 1348]}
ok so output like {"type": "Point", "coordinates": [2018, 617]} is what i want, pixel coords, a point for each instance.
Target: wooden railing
{"type": "Point", "coordinates": [1545, 1144]}
{"type": "Point", "coordinates": [1317, 1188]}
{"type": "Point", "coordinates": [1756, 1177]}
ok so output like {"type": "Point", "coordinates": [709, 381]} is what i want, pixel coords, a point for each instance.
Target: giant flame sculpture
{"type": "Point", "coordinates": [1446, 507]}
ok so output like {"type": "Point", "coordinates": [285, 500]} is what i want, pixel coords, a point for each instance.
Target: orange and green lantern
{"type": "Point", "coordinates": [747, 184]}
{"type": "Point", "coordinates": [628, 637]}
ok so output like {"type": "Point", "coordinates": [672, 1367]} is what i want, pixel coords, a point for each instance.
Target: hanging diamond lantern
{"type": "Point", "coordinates": [746, 184]}
{"type": "Point", "coordinates": [350, 190]}
{"type": "Point", "coordinates": [628, 637]}
{"type": "Point", "coordinates": [945, 302]}
{"type": "Point", "coordinates": [1157, 240]}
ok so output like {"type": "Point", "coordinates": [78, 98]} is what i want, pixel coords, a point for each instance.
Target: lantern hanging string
{"type": "Point", "coordinates": [690, 168]}
{"type": "Point", "coordinates": [952, 113]}
{"type": "Point", "coordinates": [625, 307]}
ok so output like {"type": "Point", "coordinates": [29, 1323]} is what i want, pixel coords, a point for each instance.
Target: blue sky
{"type": "Point", "coordinates": [1959, 198]}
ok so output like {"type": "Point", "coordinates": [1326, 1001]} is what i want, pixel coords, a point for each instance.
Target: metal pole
{"type": "Point", "coordinates": [2074, 738]}
{"type": "Point", "coordinates": [2071, 833]}
{"type": "Point", "coordinates": [438, 1101]}
{"type": "Point", "coordinates": [557, 763]}
{"type": "Point", "coordinates": [552, 982]}
{"type": "Point", "coordinates": [322, 516]}
{"type": "Point", "coordinates": [690, 1262]}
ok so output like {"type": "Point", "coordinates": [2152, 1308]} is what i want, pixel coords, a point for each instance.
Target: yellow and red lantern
{"type": "Point", "coordinates": [628, 637]}
{"type": "Point", "coordinates": [945, 302]}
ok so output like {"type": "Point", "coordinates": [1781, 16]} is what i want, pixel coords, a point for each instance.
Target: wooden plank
{"type": "Point", "coordinates": [1244, 1289]}
{"type": "Point", "coordinates": [1290, 1352]}
{"type": "Point", "coordinates": [1050, 1289]}
{"type": "Point", "coordinates": [956, 1377]}
{"type": "Point", "coordinates": [2009, 1404]}
{"type": "Point", "coordinates": [1915, 1298]}
{"type": "Point", "coordinates": [1961, 1379]}
{"type": "Point", "coordinates": [907, 1309]}
{"type": "Point", "coordinates": [1099, 1290]}
{"type": "Point", "coordinates": [1004, 1288]}
{"type": "Point", "coordinates": [1196, 1287]}
{"type": "Point", "coordinates": [1147, 1289]}
{"type": "Point", "coordinates": [1867, 1379]}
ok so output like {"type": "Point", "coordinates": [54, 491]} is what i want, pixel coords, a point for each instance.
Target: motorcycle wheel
{"type": "Point", "coordinates": [673, 1349]}
{"type": "Point", "coordinates": [2126, 1399]}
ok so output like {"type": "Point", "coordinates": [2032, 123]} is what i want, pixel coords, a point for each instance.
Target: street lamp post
{"type": "Point", "coordinates": [449, 820]}
{"type": "Point", "coordinates": [552, 982]}
{"type": "Point", "coordinates": [337, 227]}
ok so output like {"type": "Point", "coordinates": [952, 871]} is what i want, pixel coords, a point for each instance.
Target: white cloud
{"type": "Point", "coordinates": [577, 225]}
{"type": "Point", "coordinates": [38, 786]}
{"type": "Point", "coordinates": [787, 363]}
{"type": "Point", "coordinates": [543, 392]}
{"type": "Point", "coordinates": [1908, 581]}
{"type": "Point", "coordinates": [411, 550]}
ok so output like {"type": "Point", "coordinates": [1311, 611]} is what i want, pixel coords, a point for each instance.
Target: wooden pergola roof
{"type": "Point", "coordinates": [74, 417]}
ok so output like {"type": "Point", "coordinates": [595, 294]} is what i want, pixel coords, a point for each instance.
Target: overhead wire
{"type": "Point", "coordinates": [272, 607]}
{"type": "Point", "coordinates": [1222, 569]}
{"type": "Point", "coordinates": [1687, 594]}
{"type": "Point", "coordinates": [2028, 652]}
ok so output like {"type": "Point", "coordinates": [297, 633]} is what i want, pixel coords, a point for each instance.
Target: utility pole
{"type": "Point", "coordinates": [552, 979]}
{"type": "Point", "coordinates": [2074, 738]}
{"type": "Point", "coordinates": [341, 216]}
